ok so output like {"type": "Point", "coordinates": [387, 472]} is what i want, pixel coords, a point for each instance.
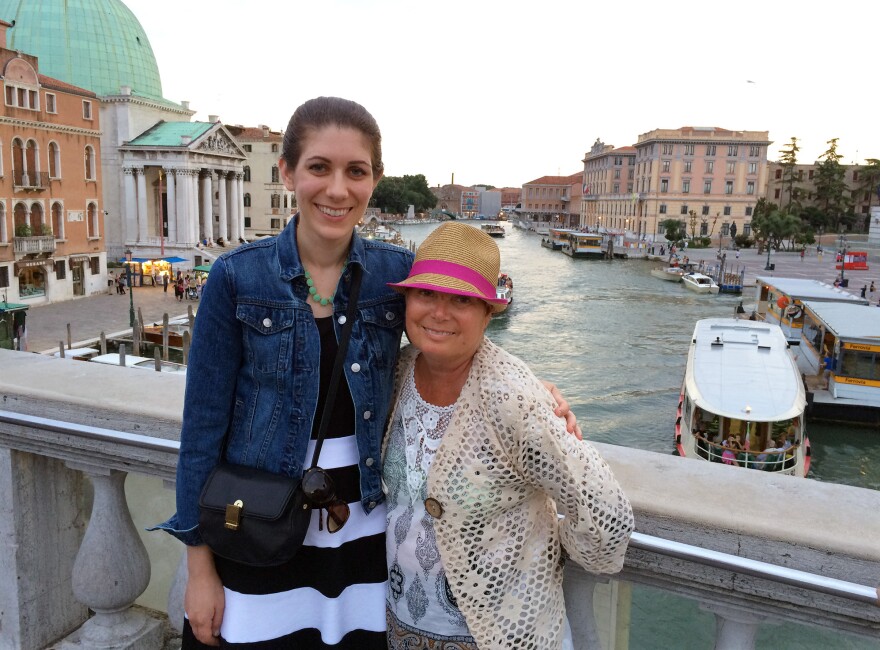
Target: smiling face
{"type": "Point", "coordinates": [333, 180]}
{"type": "Point", "coordinates": [447, 328]}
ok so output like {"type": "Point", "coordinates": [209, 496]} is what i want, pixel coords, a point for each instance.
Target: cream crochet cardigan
{"type": "Point", "coordinates": [504, 468]}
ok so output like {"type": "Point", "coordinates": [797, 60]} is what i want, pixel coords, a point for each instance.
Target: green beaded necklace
{"type": "Point", "coordinates": [317, 297]}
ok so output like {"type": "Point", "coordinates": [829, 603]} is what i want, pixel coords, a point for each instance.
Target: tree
{"type": "Point", "coordinates": [869, 181]}
{"type": "Point", "coordinates": [674, 229]}
{"type": "Point", "coordinates": [832, 193]}
{"type": "Point", "coordinates": [776, 226]}
{"type": "Point", "coordinates": [788, 160]}
{"type": "Point", "coordinates": [395, 194]}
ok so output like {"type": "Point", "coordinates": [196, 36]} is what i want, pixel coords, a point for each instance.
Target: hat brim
{"type": "Point", "coordinates": [445, 284]}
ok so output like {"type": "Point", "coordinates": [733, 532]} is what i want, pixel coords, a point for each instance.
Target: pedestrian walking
{"type": "Point", "coordinates": [864, 290]}
{"type": "Point", "coordinates": [165, 282]}
{"type": "Point", "coordinates": [871, 288]}
{"type": "Point", "coordinates": [802, 254]}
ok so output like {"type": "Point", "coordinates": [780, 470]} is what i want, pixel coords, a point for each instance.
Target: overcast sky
{"type": "Point", "coordinates": [503, 92]}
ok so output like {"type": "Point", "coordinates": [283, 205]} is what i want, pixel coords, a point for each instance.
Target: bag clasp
{"type": "Point", "coordinates": [233, 514]}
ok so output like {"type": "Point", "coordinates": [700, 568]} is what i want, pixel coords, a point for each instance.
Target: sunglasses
{"type": "Point", "coordinates": [320, 492]}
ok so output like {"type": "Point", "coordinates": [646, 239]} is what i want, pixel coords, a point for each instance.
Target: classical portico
{"type": "Point", "coordinates": [182, 186]}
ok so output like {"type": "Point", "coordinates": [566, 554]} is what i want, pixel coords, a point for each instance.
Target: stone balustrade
{"type": "Point", "coordinates": [62, 557]}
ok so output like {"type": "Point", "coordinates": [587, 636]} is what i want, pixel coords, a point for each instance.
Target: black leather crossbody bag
{"type": "Point", "coordinates": [257, 517]}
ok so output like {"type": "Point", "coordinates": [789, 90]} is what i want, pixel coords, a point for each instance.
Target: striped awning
{"type": "Point", "coordinates": [79, 258]}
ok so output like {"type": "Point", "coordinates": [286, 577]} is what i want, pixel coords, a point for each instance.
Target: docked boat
{"type": "Point", "coordinates": [780, 300]}
{"type": "Point", "coordinates": [583, 244]}
{"type": "Point", "coordinates": [699, 282]}
{"type": "Point", "coordinates": [555, 239]}
{"type": "Point", "coordinates": [153, 334]}
{"type": "Point", "coordinates": [140, 363]}
{"type": "Point", "coordinates": [383, 233]}
{"type": "Point", "coordinates": [839, 357]}
{"type": "Point", "coordinates": [669, 273]}
{"type": "Point", "coordinates": [493, 229]}
{"type": "Point", "coordinates": [742, 400]}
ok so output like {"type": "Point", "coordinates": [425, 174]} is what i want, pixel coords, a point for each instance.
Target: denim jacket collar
{"type": "Point", "coordinates": [289, 261]}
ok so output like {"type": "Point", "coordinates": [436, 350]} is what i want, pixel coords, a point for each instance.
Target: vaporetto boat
{"type": "Point", "coordinates": [582, 244]}
{"type": "Point", "coordinates": [742, 399]}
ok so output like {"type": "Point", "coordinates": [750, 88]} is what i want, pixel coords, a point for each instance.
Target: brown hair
{"type": "Point", "coordinates": [326, 111]}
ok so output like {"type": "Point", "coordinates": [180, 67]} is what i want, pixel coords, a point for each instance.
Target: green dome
{"type": "Point", "coordinates": [98, 45]}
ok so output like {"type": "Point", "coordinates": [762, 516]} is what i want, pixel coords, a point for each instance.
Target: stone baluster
{"type": "Point", "coordinates": [111, 570]}
{"type": "Point", "coordinates": [735, 627]}
{"type": "Point", "coordinates": [578, 588]}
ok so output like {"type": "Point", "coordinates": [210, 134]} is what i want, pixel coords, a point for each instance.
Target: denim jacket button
{"type": "Point", "coordinates": [368, 415]}
{"type": "Point", "coordinates": [369, 462]}
{"type": "Point", "coordinates": [355, 367]}
{"type": "Point", "coordinates": [372, 505]}
{"type": "Point", "coordinates": [267, 322]}
{"type": "Point", "coordinates": [389, 315]}
{"type": "Point", "coordinates": [341, 320]}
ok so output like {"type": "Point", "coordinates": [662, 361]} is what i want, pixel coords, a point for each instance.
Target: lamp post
{"type": "Point", "coordinates": [130, 288]}
{"type": "Point", "coordinates": [842, 247]}
{"type": "Point", "coordinates": [767, 267]}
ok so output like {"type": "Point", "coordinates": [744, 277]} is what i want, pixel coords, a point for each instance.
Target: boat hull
{"type": "Point", "coordinates": [669, 275]}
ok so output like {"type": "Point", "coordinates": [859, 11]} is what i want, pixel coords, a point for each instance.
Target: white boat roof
{"type": "Point", "coordinates": [848, 321]}
{"type": "Point", "coordinates": [751, 375]}
{"type": "Point", "coordinates": [112, 359]}
{"type": "Point", "coordinates": [802, 289]}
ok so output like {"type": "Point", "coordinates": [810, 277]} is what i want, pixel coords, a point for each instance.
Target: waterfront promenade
{"type": "Point", "coordinates": [88, 317]}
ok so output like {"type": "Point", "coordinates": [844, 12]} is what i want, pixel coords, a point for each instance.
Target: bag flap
{"type": "Point", "coordinates": [263, 494]}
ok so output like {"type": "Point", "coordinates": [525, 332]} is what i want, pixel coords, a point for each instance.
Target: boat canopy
{"type": "Point", "coordinates": [803, 289]}
{"type": "Point", "coordinates": [744, 370]}
{"type": "Point", "coordinates": [848, 321]}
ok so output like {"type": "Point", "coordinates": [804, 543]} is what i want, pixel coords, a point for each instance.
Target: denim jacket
{"type": "Point", "coordinates": [254, 366]}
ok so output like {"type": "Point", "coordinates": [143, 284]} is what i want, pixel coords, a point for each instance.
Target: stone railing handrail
{"type": "Point", "coordinates": [679, 500]}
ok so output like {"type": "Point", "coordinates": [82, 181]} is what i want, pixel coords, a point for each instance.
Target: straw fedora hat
{"type": "Point", "coordinates": [459, 259]}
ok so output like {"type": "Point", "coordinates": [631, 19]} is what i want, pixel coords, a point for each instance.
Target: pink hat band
{"type": "Point", "coordinates": [485, 290]}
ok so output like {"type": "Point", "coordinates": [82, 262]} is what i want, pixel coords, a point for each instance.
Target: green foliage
{"type": "Point", "coordinates": [395, 194]}
{"type": "Point", "coordinates": [744, 241]}
{"type": "Point", "coordinates": [45, 229]}
{"type": "Point", "coordinates": [832, 193]}
{"type": "Point", "coordinates": [23, 230]}
{"type": "Point", "coordinates": [775, 227]}
{"type": "Point", "coordinates": [788, 160]}
{"type": "Point", "coordinates": [673, 228]}
{"type": "Point", "coordinates": [869, 181]}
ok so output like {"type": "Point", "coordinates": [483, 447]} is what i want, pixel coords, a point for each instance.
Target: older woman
{"type": "Point", "coordinates": [476, 467]}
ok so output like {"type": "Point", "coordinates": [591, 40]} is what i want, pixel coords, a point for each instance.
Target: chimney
{"type": "Point", "coordinates": [185, 140]}
{"type": "Point", "coordinates": [185, 104]}
{"type": "Point", "coordinates": [265, 130]}
{"type": "Point", "coordinates": [213, 118]}
{"type": "Point", "coordinates": [125, 90]}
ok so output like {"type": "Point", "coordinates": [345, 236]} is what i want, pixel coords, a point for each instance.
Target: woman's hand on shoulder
{"type": "Point", "coordinates": [563, 410]}
{"type": "Point", "coordinates": [205, 600]}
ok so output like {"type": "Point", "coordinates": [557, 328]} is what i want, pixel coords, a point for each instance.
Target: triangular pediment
{"type": "Point", "coordinates": [218, 141]}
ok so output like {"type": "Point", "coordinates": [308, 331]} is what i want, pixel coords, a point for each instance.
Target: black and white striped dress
{"type": "Point", "coordinates": [332, 594]}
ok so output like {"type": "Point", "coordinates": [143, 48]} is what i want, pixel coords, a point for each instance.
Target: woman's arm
{"type": "Point", "coordinates": [205, 600]}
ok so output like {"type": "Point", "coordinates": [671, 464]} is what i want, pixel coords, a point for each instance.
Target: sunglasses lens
{"type": "Point", "coordinates": [317, 486]}
{"type": "Point", "coordinates": [337, 515]}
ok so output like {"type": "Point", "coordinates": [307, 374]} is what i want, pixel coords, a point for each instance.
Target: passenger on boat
{"type": "Point", "coordinates": [767, 459]}
{"type": "Point", "coordinates": [732, 448]}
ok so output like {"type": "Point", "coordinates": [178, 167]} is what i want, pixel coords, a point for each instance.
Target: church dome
{"type": "Point", "coordinates": [98, 45]}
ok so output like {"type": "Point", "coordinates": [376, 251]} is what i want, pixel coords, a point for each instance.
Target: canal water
{"type": "Point", "coordinates": [615, 340]}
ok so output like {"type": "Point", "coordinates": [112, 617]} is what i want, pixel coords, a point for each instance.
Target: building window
{"type": "Point", "coordinates": [57, 212]}
{"type": "Point", "coordinates": [276, 201]}
{"type": "Point", "coordinates": [728, 187]}
{"type": "Point", "coordinates": [274, 148]}
{"type": "Point", "coordinates": [753, 168]}
{"type": "Point", "coordinates": [688, 150]}
{"type": "Point", "coordinates": [248, 148]}
{"type": "Point", "coordinates": [776, 193]}
{"type": "Point", "coordinates": [707, 187]}
{"type": "Point", "coordinates": [22, 97]}
{"type": "Point", "coordinates": [664, 185]}
{"type": "Point", "coordinates": [754, 151]}
{"type": "Point", "coordinates": [94, 265]}
{"type": "Point", "coordinates": [750, 187]}
{"type": "Point", "coordinates": [810, 175]}
{"type": "Point", "coordinates": [710, 166]}
{"type": "Point", "coordinates": [684, 209]}
{"type": "Point", "coordinates": [726, 210]}
{"type": "Point", "coordinates": [731, 168]}
{"type": "Point", "coordinates": [616, 173]}
{"type": "Point", "coordinates": [616, 188]}
{"type": "Point", "coordinates": [748, 211]}
{"type": "Point", "coordinates": [275, 173]}
{"type": "Point", "coordinates": [662, 208]}
{"type": "Point", "coordinates": [732, 150]}
{"type": "Point", "coordinates": [778, 174]}
{"type": "Point", "coordinates": [686, 186]}
{"type": "Point", "coordinates": [275, 224]}
{"type": "Point", "coordinates": [54, 160]}
{"type": "Point", "coordinates": [60, 270]}
{"type": "Point", "coordinates": [87, 109]}
{"type": "Point", "coordinates": [704, 228]}
{"type": "Point", "coordinates": [747, 228]}
{"type": "Point", "coordinates": [90, 162]}
{"type": "Point", "coordinates": [247, 174]}
{"type": "Point", "coordinates": [92, 230]}
{"type": "Point", "coordinates": [725, 229]}
{"type": "Point", "coordinates": [4, 276]}
{"type": "Point", "coordinates": [710, 149]}
{"type": "Point", "coordinates": [247, 222]}
{"type": "Point", "coordinates": [247, 200]}
{"type": "Point", "coordinates": [665, 167]}
{"type": "Point", "coordinates": [50, 103]}
{"type": "Point", "coordinates": [800, 174]}
{"type": "Point", "coordinates": [688, 165]}
{"type": "Point", "coordinates": [705, 210]}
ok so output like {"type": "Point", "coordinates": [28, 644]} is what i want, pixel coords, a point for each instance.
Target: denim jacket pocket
{"type": "Point", "coordinates": [268, 334]}
{"type": "Point", "coordinates": [383, 325]}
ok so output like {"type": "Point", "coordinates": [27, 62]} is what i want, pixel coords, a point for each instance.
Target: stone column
{"type": "Point", "coordinates": [192, 181]}
{"type": "Point", "coordinates": [111, 570]}
{"type": "Point", "coordinates": [182, 206]}
{"type": "Point", "coordinates": [234, 214]}
{"type": "Point", "coordinates": [223, 226]}
{"type": "Point", "coordinates": [142, 206]}
{"type": "Point", "coordinates": [239, 181]}
{"type": "Point", "coordinates": [41, 528]}
{"type": "Point", "coordinates": [130, 203]}
{"type": "Point", "coordinates": [207, 207]}
{"type": "Point", "coordinates": [735, 627]}
{"type": "Point", "coordinates": [174, 233]}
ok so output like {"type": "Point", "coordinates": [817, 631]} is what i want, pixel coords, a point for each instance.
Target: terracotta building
{"type": "Point", "coordinates": [549, 199]}
{"type": "Point", "coordinates": [52, 240]}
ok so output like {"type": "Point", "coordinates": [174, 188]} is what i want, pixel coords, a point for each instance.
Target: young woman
{"type": "Point", "coordinates": [264, 343]}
